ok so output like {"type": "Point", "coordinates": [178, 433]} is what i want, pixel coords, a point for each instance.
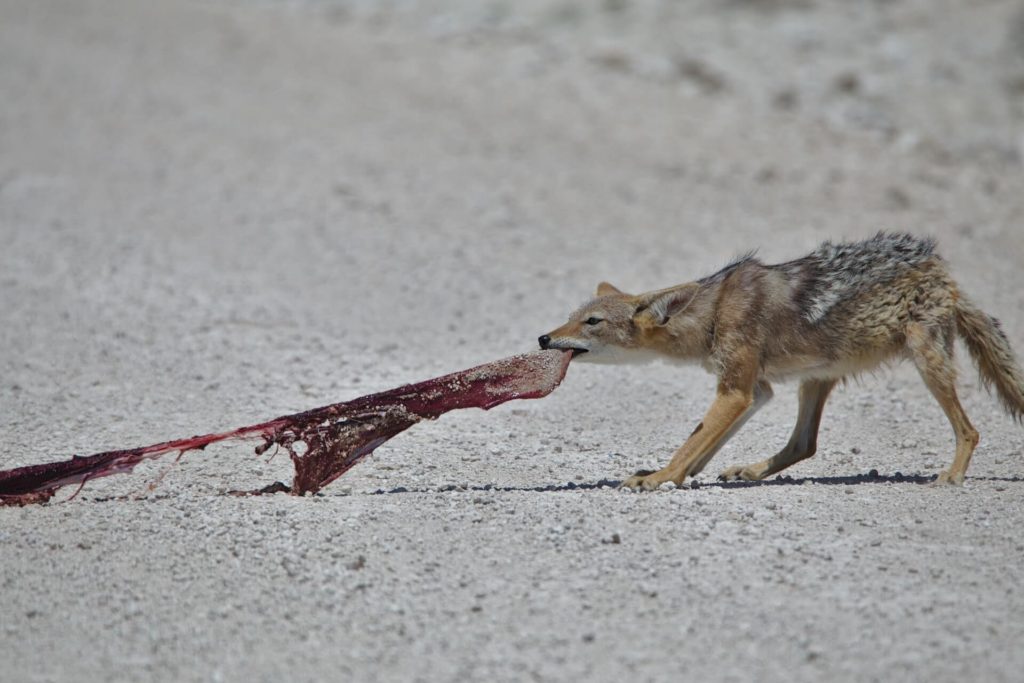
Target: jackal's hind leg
{"type": "Point", "coordinates": [932, 351]}
{"type": "Point", "coordinates": [802, 443]}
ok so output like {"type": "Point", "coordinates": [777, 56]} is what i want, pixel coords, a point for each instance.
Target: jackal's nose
{"type": "Point", "coordinates": [544, 340]}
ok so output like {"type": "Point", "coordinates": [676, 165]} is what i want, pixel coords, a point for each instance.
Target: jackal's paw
{"type": "Point", "coordinates": [740, 472]}
{"type": "Point", "coordinates": [645, 480]}
{"type": "Point", "coordinates": [947, 479]}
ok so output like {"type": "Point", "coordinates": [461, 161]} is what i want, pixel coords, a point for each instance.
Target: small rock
{"type": "Point", "coordinates": [613, 60]}
{"type": "Point", "coordinates": [698, 72]}
{"type": "Point", "coordinates": [786, 100]}
{"type": "Point", "coordinates": [848, 83]}
{"type": "Point", "coordinates": [767, 175]}
{"type": "Point", "coordinates": [668, 486]}
{"type": "Point", "coordinates": [896, 198]}
{"type": "Point", "coordinates": [614, 539]}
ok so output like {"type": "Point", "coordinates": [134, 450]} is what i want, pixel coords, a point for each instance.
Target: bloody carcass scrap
{"type": "Point", "coordinates": [325, 442]}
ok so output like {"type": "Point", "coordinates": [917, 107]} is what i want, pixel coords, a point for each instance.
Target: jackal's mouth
{"type": "Point", "coordinates": [547, 343]}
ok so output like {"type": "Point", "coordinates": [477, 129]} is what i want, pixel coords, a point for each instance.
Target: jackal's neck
{"type": "Point", "coordinates": [688, 335]}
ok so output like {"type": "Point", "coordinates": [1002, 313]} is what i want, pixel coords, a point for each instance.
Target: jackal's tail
{"type": "Point", "coordinates": [992, 353]}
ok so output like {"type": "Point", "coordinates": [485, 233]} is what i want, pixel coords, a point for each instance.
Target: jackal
{"type": "Point", "coordinates": [841, 310]}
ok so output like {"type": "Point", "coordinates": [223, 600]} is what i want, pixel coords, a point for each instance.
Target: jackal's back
{"type": "Point", "coordinates": [834, 276]}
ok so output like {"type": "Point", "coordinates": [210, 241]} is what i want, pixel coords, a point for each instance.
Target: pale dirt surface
{"type": "Point", "coordinates": [215, 213]}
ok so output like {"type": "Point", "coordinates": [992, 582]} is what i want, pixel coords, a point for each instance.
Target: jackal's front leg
{"type": "Point", "coordinates": [727, 414]}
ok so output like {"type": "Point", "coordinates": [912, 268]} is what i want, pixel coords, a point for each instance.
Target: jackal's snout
{"type": "Point", "coordinates": [544, 340]}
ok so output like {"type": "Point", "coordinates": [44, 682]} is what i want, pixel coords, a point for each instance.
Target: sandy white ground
{"type": "Point", "coordinates": [217, 212]}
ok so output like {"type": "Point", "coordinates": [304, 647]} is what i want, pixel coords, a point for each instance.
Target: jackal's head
{"type": "Point", "coordinates": [616, 327]}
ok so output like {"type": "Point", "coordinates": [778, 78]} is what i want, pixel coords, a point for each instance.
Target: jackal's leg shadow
{"type": "Point", "coordinates": [802, 443]}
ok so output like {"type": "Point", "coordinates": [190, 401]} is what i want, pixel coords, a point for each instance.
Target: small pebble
{"type": "Point", "coordinates": [614, 539]}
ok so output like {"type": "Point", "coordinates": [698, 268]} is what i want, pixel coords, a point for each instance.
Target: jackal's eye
{"type": "Point", "coordinates": [592, 320]}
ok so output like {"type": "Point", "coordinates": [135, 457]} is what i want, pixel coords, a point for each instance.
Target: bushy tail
{"type": "Point", "coordinates": [991, 351]}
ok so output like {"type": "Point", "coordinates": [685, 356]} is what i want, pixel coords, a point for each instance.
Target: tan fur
{"type": "Point", "coordinates": [840, 311]}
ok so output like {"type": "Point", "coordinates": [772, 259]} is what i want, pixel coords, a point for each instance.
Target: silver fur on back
{"type": "Point", "coordinates": [833, 273]}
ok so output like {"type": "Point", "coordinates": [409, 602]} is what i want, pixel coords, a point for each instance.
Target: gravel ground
{"type": "Point", "coordinates": [217, 212]}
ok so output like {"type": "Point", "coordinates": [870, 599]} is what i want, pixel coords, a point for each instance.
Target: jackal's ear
{"type": "Point", "coordinates": [657, 308]}
{"type": "Point", "coordinates": [606, 289]}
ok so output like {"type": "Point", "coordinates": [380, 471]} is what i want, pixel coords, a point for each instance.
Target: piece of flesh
{"type": "Point", "coordinates": [323, 443]}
